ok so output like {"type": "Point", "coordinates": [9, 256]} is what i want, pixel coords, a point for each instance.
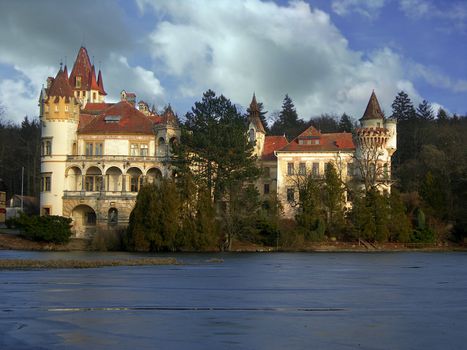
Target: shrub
{"type": "Point", "coordinates": [51, 228]}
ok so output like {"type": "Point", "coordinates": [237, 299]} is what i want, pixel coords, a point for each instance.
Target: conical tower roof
{"type": "Point", "coordinates": [100, 83]}
{"type": "Point", "coordinates": [81, 68]}
{"type": "Point", "coordinates": [60, 86]}
{"type": "Point", "coordinates": [373, 110]}
{"type": "Point", "coordinates": [254, 115]}
{"type": "Point", "coordinates": [92, 78]}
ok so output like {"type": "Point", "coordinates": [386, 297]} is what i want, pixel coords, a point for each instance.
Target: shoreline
{"type": "Point", "coordinates": [12, 241]}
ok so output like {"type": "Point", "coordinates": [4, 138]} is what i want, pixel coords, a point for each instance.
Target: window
{"type": "Point", "coordinates": [302, 169]}
{"type": "Point", "coordinates": [45, 211]}
{"type": "Point", "coordinates": [290, 169]}
{"type": "Point", "coordinates": [46, 182]}
{"type": "Point", "coordinates": [94, 148]}
{"type": "Point", "coordinates": [66, 108]}
{"type": "Point", "coordinates": [144, 150]}
{"type": "Point", "coordinates": [90, 218]}
{"type": "Point", "coordinates": [266, 172]}
{"type": "Point", "coordinates": [48, 148]}
{"type": "Point", "coordinates": [89, 149]}
{"type": "Point", "coordinates": [290, 195]}
{"type": "Point", "coordinates": [98, 148]}
{"type": "Point", "coordinates": [315, 169]}
{"type": "Point", "coordinates": [134, 149]}
{"type": "Point", "coordinates": [94, 96]}
{"type": "Point", "coordinates": [266, 189]}
{"type": "Point", "coordinates": [93, 183]}
{"type": "Point", "coordinates": [135, 183]}
{"type": "Point", "coordinates": [56, 108]}
{"type": "Point", "coordinates": [252, 135]}
{"type": "Point", "coordinates": [78, 82]}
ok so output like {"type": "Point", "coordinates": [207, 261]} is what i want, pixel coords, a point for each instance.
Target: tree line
{"type": "Point", "coordinates": [212, 201]}
{"type": "Point", "coordinates": [19, 148]}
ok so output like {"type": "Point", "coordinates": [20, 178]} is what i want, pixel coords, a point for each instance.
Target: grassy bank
{"type": "Point", "coordinates": [82, 264]}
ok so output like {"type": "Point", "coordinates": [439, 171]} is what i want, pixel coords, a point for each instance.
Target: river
{"type": "Point", "coordinates": [247, 301]}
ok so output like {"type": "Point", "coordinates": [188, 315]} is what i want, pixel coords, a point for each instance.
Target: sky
{"type": "Point", "coordinates": [327, 55]}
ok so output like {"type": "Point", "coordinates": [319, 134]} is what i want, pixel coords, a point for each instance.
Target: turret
{"type": "Point", "coordinates": [167, 133]}
{"type": "Point", "coordinates": [59, 121]}
{"type": "Point", "coordinates": [256, 132]}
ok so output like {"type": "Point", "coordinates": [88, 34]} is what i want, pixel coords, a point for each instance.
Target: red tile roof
{"type": "Point", "coordinates": [60, 87]}
{"type": "Point", "coordinates": [84, 119]}
{"type": "Point", "coordinates": [271, 144]}
{"type": "Point", "coordinates": [96, 108]}
{"type": "Point", "coordinates": [81, 68]}
{"type": "Point", "coordinates": [325, 142]}
{"type": "Point", "coordinates": [131, 121]}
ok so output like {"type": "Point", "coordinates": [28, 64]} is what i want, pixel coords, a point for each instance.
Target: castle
{"type": "Point", "coordinates": [95, 155]}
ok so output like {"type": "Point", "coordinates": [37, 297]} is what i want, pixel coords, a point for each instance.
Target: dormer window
{"type": "Point", "coordinates": [78, 82]}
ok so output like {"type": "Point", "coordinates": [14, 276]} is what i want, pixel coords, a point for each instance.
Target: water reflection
{"type": "Point", "coordinates": [248, 301]}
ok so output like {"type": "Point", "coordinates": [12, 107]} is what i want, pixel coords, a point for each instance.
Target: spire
{"type": "Point", "coordinates": [254, 115]}
{"type": "Point", "coordinates": [169, 116]}
{"type": "Point", "coordinates": [65, 70]}
{"type": "Point", "coordinates": [100, 83]}
{"type": "Point", "coordinates": [92, 79]}
{"type": "Point", "coordinates": [373, 110]}
{"type": "Point", "coordinates": [81, 69]}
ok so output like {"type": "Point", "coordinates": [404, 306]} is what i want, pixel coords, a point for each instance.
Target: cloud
{"type": "Point", "coordinates": [132, 78]}
{"type": "Point", "coordinates": [236, 48]}
{"type": "Point", "coordinates": [454, 13]}
{"type": "Point", "coordinates": [37, 35]}
{"type": "Point", "coordinates": [437, 79]}
{"type": "Point", "coordinates": [368, 8]}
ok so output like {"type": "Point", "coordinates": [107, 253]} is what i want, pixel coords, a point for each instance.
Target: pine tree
{"type": "Point", "coordinates": [402, 107]}
{"type": "Point", "coordinates": [288, 123]}
{"type": "Point", "coordinates": [424, 111]}
{"type": "Point", "coordinates": [333, 199]}
{"type": "Point", "coordinates": [345, 123]}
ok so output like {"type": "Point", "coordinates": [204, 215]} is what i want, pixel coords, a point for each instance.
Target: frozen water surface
{"type": "Point", "coordinates": [248, 301]}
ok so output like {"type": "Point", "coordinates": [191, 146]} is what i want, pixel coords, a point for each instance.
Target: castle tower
{"type": "Point", "coordinates": [167, 134]}
{"type": "Point", "coordinates": [59, 122]}
{"type": "Point", "coordinates": [375, 143]}
{"type": "Point", "coordinates": [256, 132]}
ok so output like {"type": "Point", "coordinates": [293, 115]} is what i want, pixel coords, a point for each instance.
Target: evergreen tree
{"type": "Point", "coordinates": [333, 199]}
{"type": "Point", "coordinates": [325, 123]}
{"type": "Point", "coordinates": [424, 111]}
{"type": "Point", "coordinates": [402, 107]}
{"type": "Point", "coordinates": [288, 123]}
{"type": "Point", "coordinates": [345, 124]}
{"type": "Point", "coordinates": [216, 147]}
{"type": "Point", "coordinates": [442, 115]}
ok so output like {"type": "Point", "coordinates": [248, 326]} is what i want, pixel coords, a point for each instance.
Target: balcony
{"type": "Point", "coordinates": [118, 158]}
{"type": "Point", "coordinates": [99, 195]}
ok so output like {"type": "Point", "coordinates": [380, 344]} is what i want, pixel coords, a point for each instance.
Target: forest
{"type": "Point", "coordinates": [427, 204]}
